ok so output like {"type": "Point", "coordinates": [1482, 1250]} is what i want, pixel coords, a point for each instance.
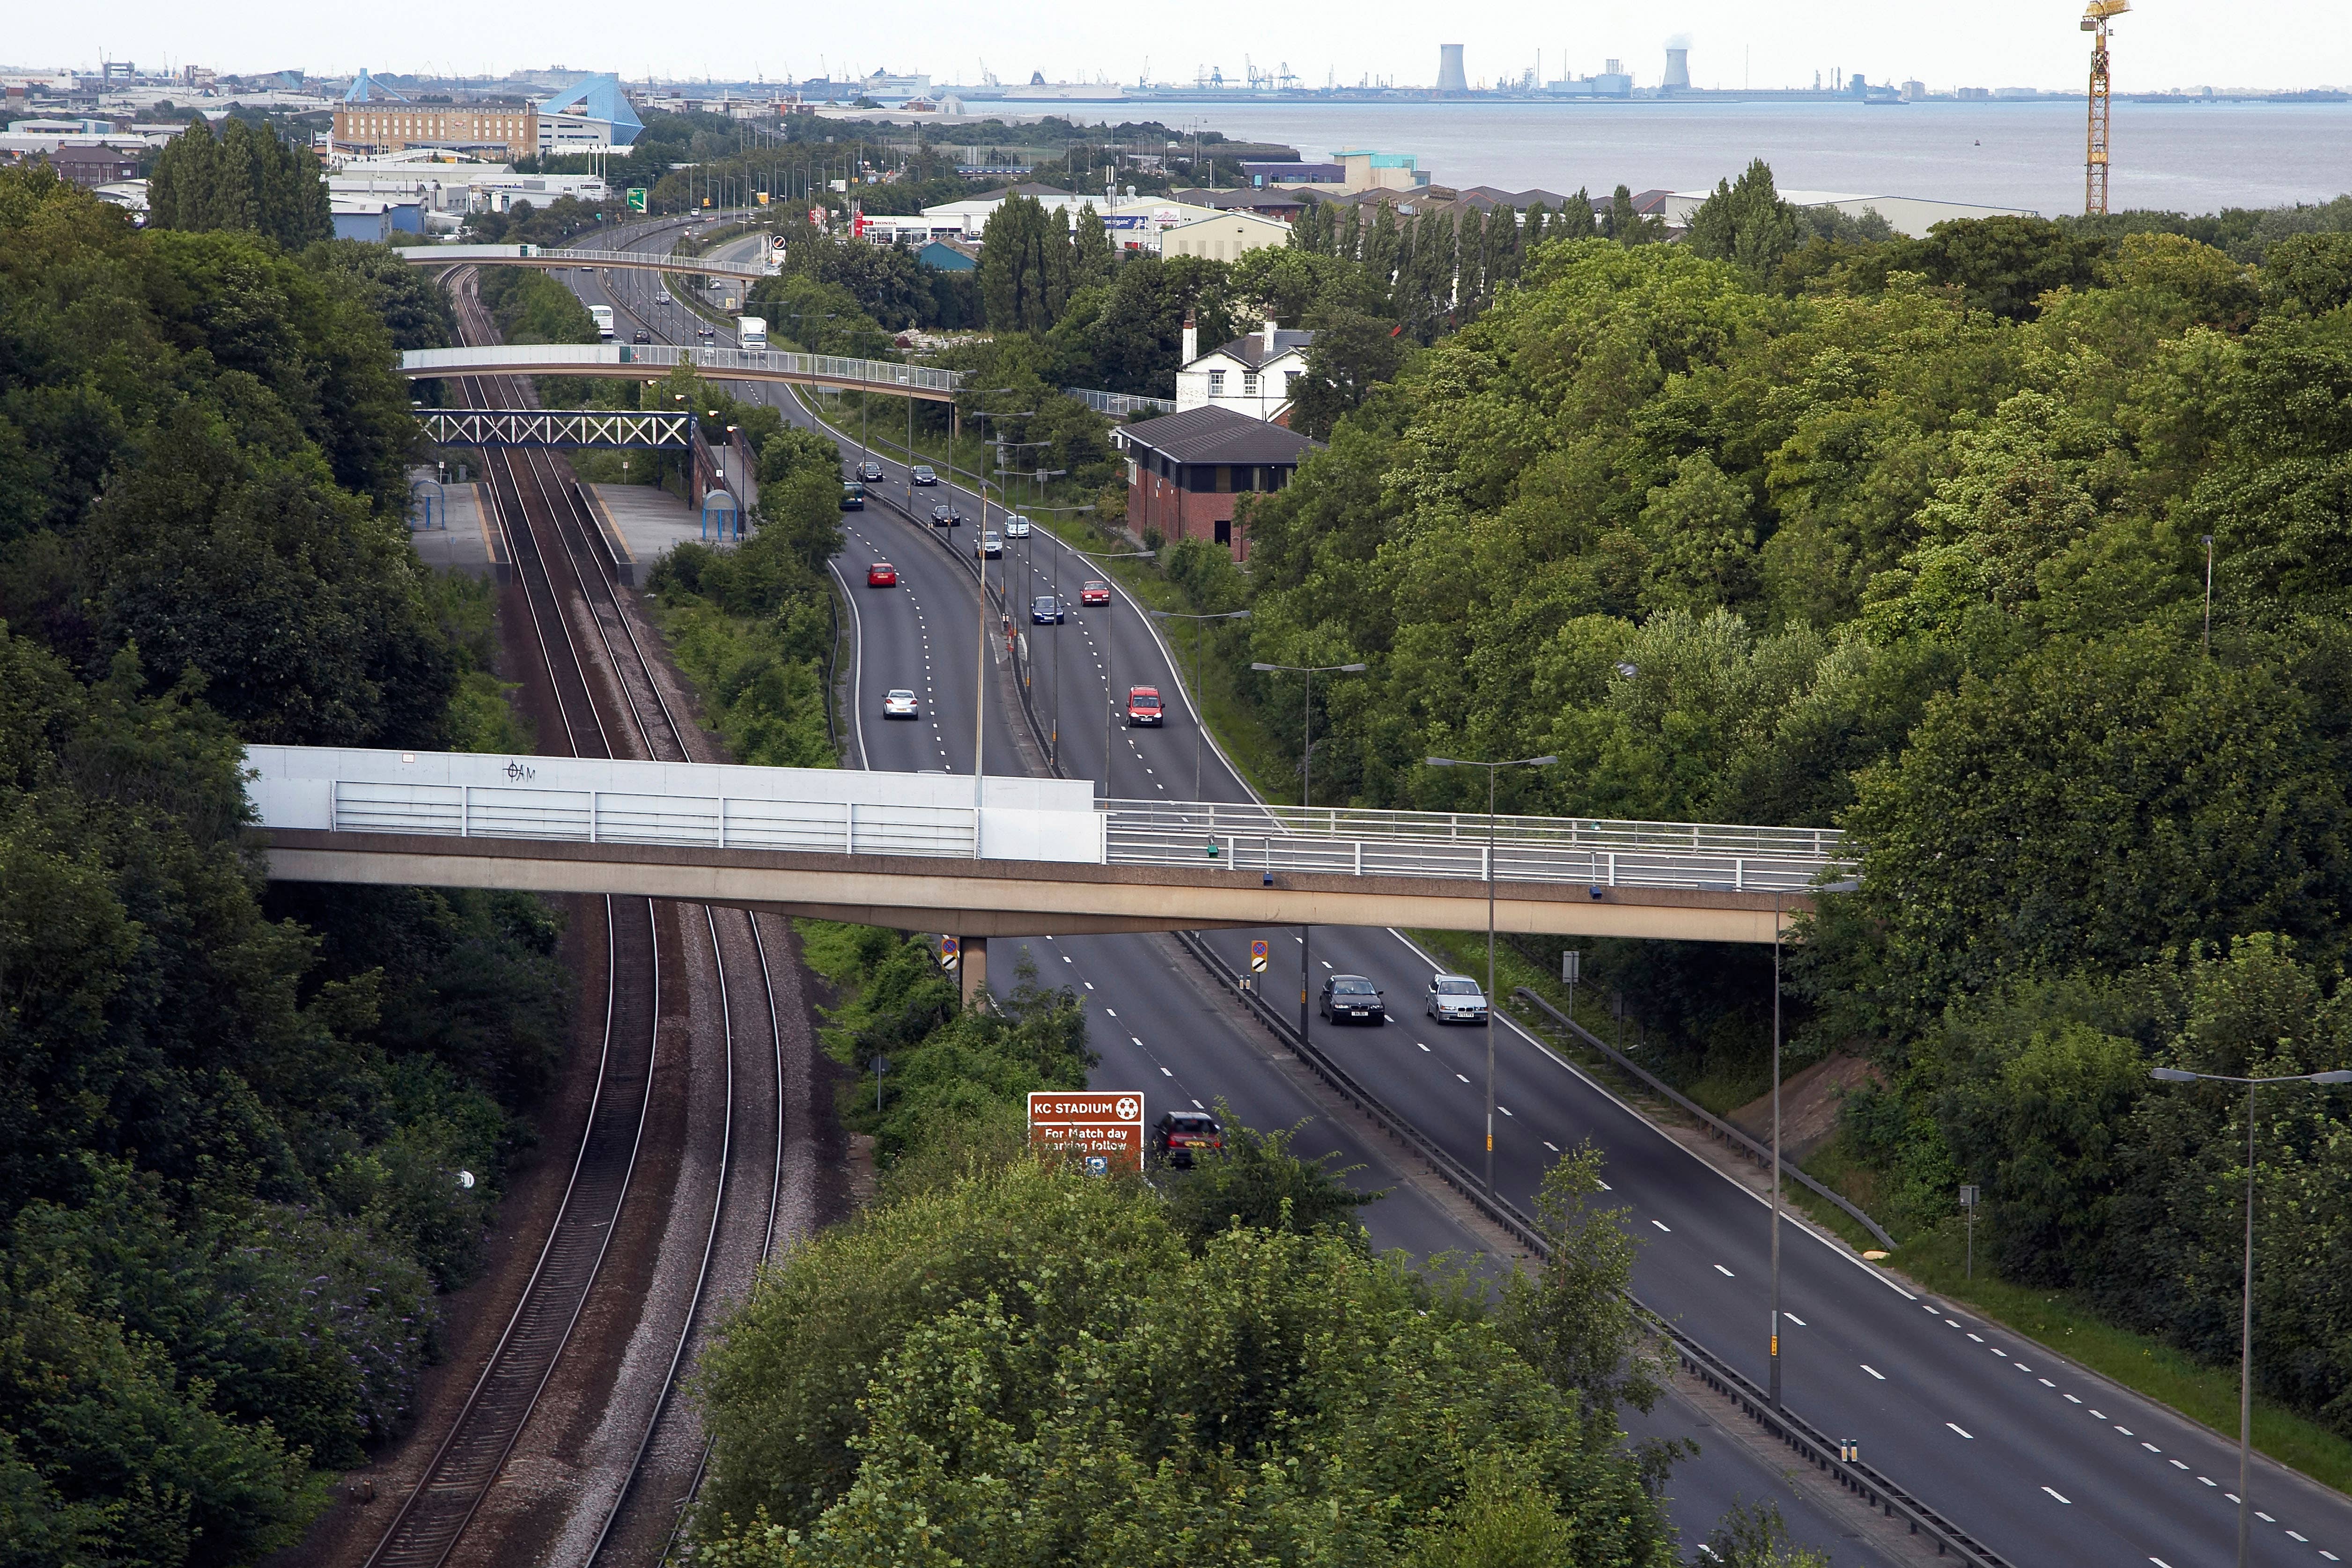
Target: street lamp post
{"type": "Point", "coordinates": [2246, 1313]}
{"type": "Point", "coordinates": [1307, 800]}
{"type": "Point", "coordinates": [1200, 718]}
{"type": "Point", "coordinates": [1492, 768]}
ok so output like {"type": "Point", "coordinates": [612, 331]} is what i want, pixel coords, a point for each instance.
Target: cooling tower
{"type": "Point", "coordinates": [1677, 66]}
{"type": "Point", "coordinates": [1449, 69]}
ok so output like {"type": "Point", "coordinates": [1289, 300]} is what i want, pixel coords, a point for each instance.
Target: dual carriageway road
{"type": "Point", "coordinates": [2040, 1460]}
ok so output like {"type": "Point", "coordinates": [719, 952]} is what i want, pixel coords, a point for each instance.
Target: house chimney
{"type": "Point", "coordinates": [1191, 339]}
{"type": "Point", "coordinates": [1269, 337]}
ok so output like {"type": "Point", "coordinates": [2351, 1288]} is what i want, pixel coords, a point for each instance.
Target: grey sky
{"type": "Point", "coordinates": [1989, 42]}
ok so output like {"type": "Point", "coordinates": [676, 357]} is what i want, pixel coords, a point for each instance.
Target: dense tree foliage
{"type": "Point", "coordinates": [230, 1117]}
{"type": "Point", "coordinates": [1009, 1361]}
{"type": "Point", "coordinates": [248, 179]}
{"type": "Point", "coordinates": [1790, 524]}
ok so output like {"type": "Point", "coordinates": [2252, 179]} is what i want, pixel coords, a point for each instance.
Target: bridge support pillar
{"type": "Point", "coordinates": [972, 968]}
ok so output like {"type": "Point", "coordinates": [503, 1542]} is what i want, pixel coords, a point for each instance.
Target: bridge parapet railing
{"type": "Point", "coordinates": [882, 375]}
{"type": "Point", "coordinates": [539, 255]}
{"type": "Point", "coordinates": [1340, 841]}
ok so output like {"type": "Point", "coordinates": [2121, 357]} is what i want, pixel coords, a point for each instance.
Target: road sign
{"type": "Point", "coordinates": [1571, 966]}
{"type": "Point", "coordinates": [950, 952]}
{"type": "Point", "coordinates": [636, 198]}
{"type": "Point", "coordinates": [1104, 1129]}
{"type": "Point", "coordinates": [1257, 957]}
{"type": "Point", "coordinates": [1967, 1198]}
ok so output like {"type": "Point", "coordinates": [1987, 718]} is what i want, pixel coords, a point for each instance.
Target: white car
{"type": "Point", "coordinates": [661, 296]}
{"type": "Point", "coordinates": [1017, 526]}
{"type": "Point", "coordinates": [900, 703]}
{"type": "Point", "coordinates": [1455, 998]}
{"type": "Point", "coordinates": [990, 545]}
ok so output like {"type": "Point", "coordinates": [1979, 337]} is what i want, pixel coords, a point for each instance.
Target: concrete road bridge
{"type": "Point", "coordinates": [1028, 857]}
{"type": "Point", "coordinates": [549, 260]}
{"type": "Point", "coordinates": [650, 361]}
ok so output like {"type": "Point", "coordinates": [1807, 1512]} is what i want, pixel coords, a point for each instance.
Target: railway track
{"type": "Point", "coordinates": [545, 524]}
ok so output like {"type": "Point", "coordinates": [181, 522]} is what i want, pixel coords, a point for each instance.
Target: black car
{"type": "Point", "coordinates": [1177, 1135]}
{"type": "Point", "coordinates": [1046, 611]}
{"type": "Point", "coordinates": [641, 336]}
{"type": "Point", "coordinates": [870, 472]}
{"type": "Point", "coordinates": [920, 474]}
{"type": "Point", "coordinates": [946, 516]}
{"type": "Point", "coordinates": [852, 497]}
{"type": "Point", "coordinates": [1351, 999]}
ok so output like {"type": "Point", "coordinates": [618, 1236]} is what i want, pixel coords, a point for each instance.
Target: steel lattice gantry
{"type": "Point", "coordinates": [589, 427]}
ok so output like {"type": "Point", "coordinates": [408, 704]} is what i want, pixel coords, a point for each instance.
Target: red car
{"type": "Point", "coordinates": [1143, 707]}
{"type": "Point", "coordinates": [1094, 592]}
{"type": "Point", "coordinates": [881, 574]}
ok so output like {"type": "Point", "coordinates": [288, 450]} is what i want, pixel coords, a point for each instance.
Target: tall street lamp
{"type": "Point", "coordinates": [1200, 715]}
{"type": "Point", "coordinates": [2246, 1315]}
{"type": "Point", "coordinates": [1492, 768]}
{"type": "Point", "coordinates": [1307, 796]}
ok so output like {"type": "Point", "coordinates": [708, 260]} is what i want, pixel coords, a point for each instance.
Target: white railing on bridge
{"type": "Point", "coordinates": [1340, 841]}
{"type": "Point", "coordinates": [709, 806]}
{"type": "Point", "coordinates": [557, 358]}
{"type": "Point", "coordinates": [843, 812]}
{"type": "Point", "coordinates": [1120, 405]}
{"type": "Point", "coordinates": [539, 255]}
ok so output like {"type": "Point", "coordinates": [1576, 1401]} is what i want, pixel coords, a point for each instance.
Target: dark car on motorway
{"type": "Point", "coordinates": [946, 516]}
{"type": "Point", "coordinates": [641, 336]}
{"type": "Point", "coordinates": [1351, 999]}
{"type": "Point", "coordinates": [852, 497]}
{"type": "Point", "coordinates": [1046, 611]}
{"type": "Point", "coordinates": [870, 472]}
{"type": "Point", "coordinates": [1178, 1134]}
{"type": "Point", "coordinates": [706, 334]}
{"type": "Point", "coordinates": [920, 474]}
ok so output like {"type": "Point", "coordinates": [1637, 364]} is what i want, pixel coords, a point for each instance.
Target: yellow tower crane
{"type": "Point", "coordinates": [2095, 17]}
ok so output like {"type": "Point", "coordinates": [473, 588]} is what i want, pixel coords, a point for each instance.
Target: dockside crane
{"type": "Point", "coordinates": [2095, 17]}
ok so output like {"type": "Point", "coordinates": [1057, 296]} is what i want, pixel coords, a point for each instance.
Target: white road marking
{"type": "Point", "coordinates": [2071, 1400]}
{"type": "Point", "coordinates": [1963, 1431]}
{"type": "Point", "coordinates": [1548, 1143]}
{"type": "Point", "coordinates": [2046, 1383]}
{"type": "Point", "coordinates": [1423, 1047]}
{"type": "Point", "coordinates": [2207, 1479]}
{"type": "Point", "coordinates": [2161, 1562]}
{"type": "Point", "coordinates": [2151, 1448]}
{"type": "Point", "coordinates": [1463, 1080]}
{"type": "Point", "coordinates": [1874, 1372]}
{"type": "Point", "coordinates": [1506, 1110]}
{"type": "Point", "coordinates": [1796, 1319]}
{"type": "Point", "coordinates": [2053, 1491]}
{"type": "Point", "coordinates": [2178, 1466]}
{"type": "Point", "coordinates": [1136, 1041]}
{"type": "Point", "coordinates": [2265, 1517]}
{"type": "Point", "coordinates": [1165, 1073]}
{"type": "Point", "coordinates": [1663, 1225]}
{"type": "Point", "coordinates": [1980, 1339]}
{"type": "Point", "coordinates": [2126, 1431]}
{"type": "Point", "coordinates": [2099, 1414]}
{"type": "Point", "coordinates": [1198, 1106]}
{"type": "Point", "coordinates": [1065, 957]}
{"type": "Point", "coordinates": [1725, 1273]}
{"type": "Point", "coordinates": [1110, 1012]}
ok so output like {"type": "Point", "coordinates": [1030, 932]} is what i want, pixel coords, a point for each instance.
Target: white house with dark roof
{"type": "Point", "coordinates": [1249, 375]}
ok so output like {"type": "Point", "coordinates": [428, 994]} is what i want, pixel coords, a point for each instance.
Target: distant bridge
{"type": "Point", "coordinates": [592, 427]}
{"type": "Point", "coordinates": [558, 260]}
{"type": "Point", "coordinates": [650, 361]}
{"type": "Point", "coordinates": [915, 852]}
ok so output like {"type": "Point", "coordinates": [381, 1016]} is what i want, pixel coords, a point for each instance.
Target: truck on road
{"type": "Point", "coordinates": [750, 332]}
{"type": "Point", "coordinates": [604, 314]}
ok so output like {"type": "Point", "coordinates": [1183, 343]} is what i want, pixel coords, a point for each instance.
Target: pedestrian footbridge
{"type": "Point", "coordinates": [920, 851]}
{"type": "Point", "coordinates": [650, 361]}
{"type": "Point", "coordinates": [557, 260]}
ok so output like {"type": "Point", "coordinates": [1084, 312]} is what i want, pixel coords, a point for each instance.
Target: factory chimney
{"type": "Point", "coordinates": [1449, 69]}
{"type": "Point", "coordinates": [1677, 64]}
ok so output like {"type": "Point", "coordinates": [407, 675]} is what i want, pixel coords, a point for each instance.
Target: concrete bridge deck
{"type": "Point", "coordinates": [650, 361]}
{"type": "Point", "coordinates": [557, 260]}
{"type": "Point", "coordinates": [1031, 856]}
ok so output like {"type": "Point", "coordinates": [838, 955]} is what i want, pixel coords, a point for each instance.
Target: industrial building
{"type": "Point", "coordinates": [590, 115]}
{"type": "Point", "coordinates": [1227, 237]}
{"type": "Point", "coordinates": [1910, 216]}
{"type": "Point", "coordinates": [1450, 76]}
{"type": "Point", "coordinates": [508, 130]}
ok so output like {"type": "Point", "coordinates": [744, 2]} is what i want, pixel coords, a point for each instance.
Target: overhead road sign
{"type": "Point", "coordinates": [636, 198]}
{"type": "Point", "coordinates": [594, 427]}
{"type": "Point", "coordinates": [1103, 1129]}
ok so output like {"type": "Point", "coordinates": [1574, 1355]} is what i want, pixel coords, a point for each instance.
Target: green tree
{"type": "Point", "coordinates": [1025, 267]}
{"type": "Point", "coordinates": [1746, 223]}
{"type": "Point", "coordinates": [247, 177]}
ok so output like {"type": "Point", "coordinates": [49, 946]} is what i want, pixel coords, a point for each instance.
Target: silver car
{"type": "Point", "coordinates": [990, 545]}
{"type": "Point", "coordinates": [1455, 998]}
{"type": "Point", "coordinates": [1017, 526]}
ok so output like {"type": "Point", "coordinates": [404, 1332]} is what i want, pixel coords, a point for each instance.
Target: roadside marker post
{"type": "Point", "coordinates": [1968, 1204]}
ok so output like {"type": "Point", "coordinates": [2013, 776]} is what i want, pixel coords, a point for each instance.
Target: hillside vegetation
{"type": "Point", "coordinates": [232, 1117]}
{"type": "Point", "coordinates": [1909, 536]}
